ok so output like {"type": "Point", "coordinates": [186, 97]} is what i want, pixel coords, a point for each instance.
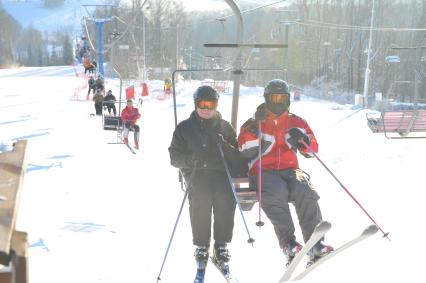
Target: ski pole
{"type": "Point", "coordinates": [250, 240]}
{"type": "Point", "coordinates": [260, 223]}
{"type": "Point", "coordinates": [385, 235]}
{"type": "Point", "coordinates": [173, 233]}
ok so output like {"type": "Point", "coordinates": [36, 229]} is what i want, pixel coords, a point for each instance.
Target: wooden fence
{"type": "Point", "coordinates": [13, 244]}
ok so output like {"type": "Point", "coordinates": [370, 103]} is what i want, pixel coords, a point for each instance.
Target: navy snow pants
{"type": "Point", "coordinates": [279, 188]}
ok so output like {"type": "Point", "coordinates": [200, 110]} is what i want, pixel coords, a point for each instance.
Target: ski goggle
{"type": "Point", "coordinates": [278, 98]}
{"type": "Point", "coordinates": [207, 104]}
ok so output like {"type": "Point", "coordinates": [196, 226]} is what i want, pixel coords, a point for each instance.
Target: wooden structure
{"type": "Point", "coordinates": [13, 244]}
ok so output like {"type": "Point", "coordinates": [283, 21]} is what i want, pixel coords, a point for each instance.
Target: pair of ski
{"type": "Point", "coordinates": [319, 232]}
{"type": "Point", "coordinates": [128, 146]}
{"type": "Point", "coordinates": [199, 277]}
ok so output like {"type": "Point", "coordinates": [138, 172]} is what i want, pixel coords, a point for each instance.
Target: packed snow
{"type": "Point", "coordinates": [95, 212]}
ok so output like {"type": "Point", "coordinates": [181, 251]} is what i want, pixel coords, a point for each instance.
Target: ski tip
{"type": "Point", "coordinates": [370, 230]}
{"type": "Point", "coordinates": [323, 225]}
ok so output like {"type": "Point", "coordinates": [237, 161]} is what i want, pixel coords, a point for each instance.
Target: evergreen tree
{"type": "Point", "coordinates": [67, 52]}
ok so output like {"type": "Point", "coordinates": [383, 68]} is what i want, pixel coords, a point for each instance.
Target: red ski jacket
{"type": "Point", "coordinates": [130, 114]}
{"type": "Point", "coordinates": [276, 153]}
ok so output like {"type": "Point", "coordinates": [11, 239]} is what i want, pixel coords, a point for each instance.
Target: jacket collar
{"type": "Point", "coordinates": [272, 115]}
{"type": "Point", "coordinates": [213, 122]}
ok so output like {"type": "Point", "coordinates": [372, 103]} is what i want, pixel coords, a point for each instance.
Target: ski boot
{"type": "Point", "coordinates": [201, 257]}
{"type": "Point", "coordinates": [290, 250]}
{"type": "Point", "coordinates": [126, 141]}
{"type": "Point", "coordinates": [136, 145]}
{"type": "Point", "coordinates": [318, 251]}
{"type": "Point", "coordinates": [221, 258]}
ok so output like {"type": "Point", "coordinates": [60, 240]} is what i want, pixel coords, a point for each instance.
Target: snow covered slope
{"type": "Point", "coordinates": [97, 213]}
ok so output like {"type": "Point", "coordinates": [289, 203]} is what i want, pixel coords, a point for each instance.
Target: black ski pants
{"type": "Point", "coordinates": [279, 188]}
{"type": "Point", "coordinates": [98, 108]}
{"type": "Point", "coordinates": [210, 191]}
{"type": "Point", "coordinates": [91, 88]}
{"type": "Point", "coordinates": [111, 106]}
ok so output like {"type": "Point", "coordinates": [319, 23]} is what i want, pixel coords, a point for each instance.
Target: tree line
{"type": "Point", "coordinates": [31, 47]}
{"type": "Point", "coordinates": [327, 42]}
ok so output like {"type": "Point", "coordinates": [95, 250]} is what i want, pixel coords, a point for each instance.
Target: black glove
{"type": "Point", "coordinates": [294, 137]}
{"type": "Point", "coordinates": [218, 139]}
{"type": "Point", "coordinates": [260, 114]}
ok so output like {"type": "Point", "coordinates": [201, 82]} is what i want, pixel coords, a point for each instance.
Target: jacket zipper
{"type": "Point", "coordinates": [279, 151]}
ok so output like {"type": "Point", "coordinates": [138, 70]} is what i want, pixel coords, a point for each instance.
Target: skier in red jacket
{"type": "Point", "coordinates": [283, 181]}
{"type": "Point", "coordinates": [130, 116]}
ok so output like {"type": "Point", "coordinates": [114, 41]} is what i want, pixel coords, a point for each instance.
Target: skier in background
{"type": "Point", "coordinates": [130, 115]}
{"type": "Point", "coordinates": [109, 101]}
{"type": "Point", "coordinates": [98, 98]}
{"type": "Point", "coordinates": [167, 86]}
{"type": "Point", "coordinates": [194, 150]}
{"type": "Point", "coordinates": [92, 86]}
{"type": "Point", "coordinates": [100, 83]}
{"type": "Point", "coordinates": [88, 66]}
{"type": "Point", "coordinates": [92, 70]}
{"type": "Point", "coordinates": [283, 181]}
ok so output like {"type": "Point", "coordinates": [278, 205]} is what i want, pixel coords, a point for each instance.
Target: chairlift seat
{"type": "Point", "coordinates": [112, 123]}
{"type": "Point", "coordinates": [246, 195]}
{"type": "Point", "coordinates": [399, 122]}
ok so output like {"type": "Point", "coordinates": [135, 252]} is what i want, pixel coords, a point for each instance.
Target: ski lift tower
{"type": "Point", "coordinates": [107, 17]}
{"type": "Point", "coordinates": [237, 68]}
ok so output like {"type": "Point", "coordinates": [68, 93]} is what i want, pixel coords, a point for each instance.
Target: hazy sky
{"type": "Point", "coordinates": [218, 4]}
{"type": "Point", "coordinates": [204, 4]}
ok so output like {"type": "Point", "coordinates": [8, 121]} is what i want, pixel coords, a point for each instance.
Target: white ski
{"type": "Point", "coordinates": [322, 228]}
{"type": "Point", "coordinates": [369, 231]}
{"type": "Point", "coordinates": [228, 276]}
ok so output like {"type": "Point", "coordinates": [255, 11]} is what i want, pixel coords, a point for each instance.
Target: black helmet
{"type": "Point", "coordinates": [206, 92]}
{"type": "Point", "coordinates": [276, 86]}
{"type": "Point", "coordinates": [109, 92]}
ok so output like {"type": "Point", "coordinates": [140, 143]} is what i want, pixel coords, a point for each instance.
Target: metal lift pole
{"type": "Point", "coordinates": [237, 72]}
{"type": "Point", "coordinates": [99, 25]}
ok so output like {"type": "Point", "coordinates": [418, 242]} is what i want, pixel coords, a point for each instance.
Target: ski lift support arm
{"type": "Point", "coordinates": [238, 70]}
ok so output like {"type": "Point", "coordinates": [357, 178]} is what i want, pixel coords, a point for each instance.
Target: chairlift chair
{"type": "Point", "coordinates": [400, 120]}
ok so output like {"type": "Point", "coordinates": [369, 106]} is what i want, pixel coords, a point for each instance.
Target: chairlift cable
{"type": "Point", "coordinates": [321, 24]}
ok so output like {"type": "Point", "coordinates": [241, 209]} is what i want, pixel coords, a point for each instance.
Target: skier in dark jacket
{"type": "Point", "coordinates": [92, 86]}
{"type": "Point", "coordinates": [195, 150]}
{"type": "Point", "coordinates": [283, 181]}
{"type": "Point", "coordinates": [109, 102]}
{"type": "Point", "coordinates": [100, 83]}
